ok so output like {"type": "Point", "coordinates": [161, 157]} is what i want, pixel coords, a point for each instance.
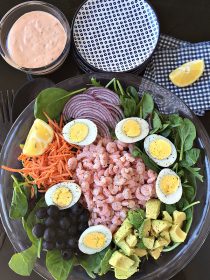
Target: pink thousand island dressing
{"type": "Point", "coordinates": [36, 39]}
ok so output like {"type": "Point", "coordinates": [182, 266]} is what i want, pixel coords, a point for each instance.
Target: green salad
{"type": "Point", "coordinates": [107, 180]}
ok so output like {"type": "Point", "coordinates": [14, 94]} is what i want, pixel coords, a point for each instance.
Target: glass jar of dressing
{"type": "Point", "coordinates": [34, 37]}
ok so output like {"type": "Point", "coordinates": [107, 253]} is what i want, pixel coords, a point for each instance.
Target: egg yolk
{"type": "Point", "coordinates": [94, 240]}
{"type": "Point", "coordinates": [62, 197]}
{"type": "Point", "coordinates": [169, 184]}
{"type": "Point", "coordinates": [160, 149]}
{"type": "Point", "coordinates": [131, 128]}
{"type": "Point", "coordinates": [79, 132]}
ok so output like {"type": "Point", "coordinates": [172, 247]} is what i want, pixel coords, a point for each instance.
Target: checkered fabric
{"type": "Point", "coordinates": [170, 54]}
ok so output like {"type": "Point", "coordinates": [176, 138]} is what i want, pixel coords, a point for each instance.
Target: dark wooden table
{"type": "Point", "coordinates": [185, 19]}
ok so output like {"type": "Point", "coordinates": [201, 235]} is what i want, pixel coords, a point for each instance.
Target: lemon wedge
{"type": "Point", "coordinates": [187, 73]}
{"type": "Point", "coordinates": [38, 139]}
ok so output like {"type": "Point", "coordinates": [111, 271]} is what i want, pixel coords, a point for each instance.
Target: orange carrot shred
{"type": "Point", "coordinates": [51, 167]}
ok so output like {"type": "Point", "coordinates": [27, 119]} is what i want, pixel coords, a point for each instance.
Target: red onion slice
{"type": "Point", "coordinates": [104, 94]}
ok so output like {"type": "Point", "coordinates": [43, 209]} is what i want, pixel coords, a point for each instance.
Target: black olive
{"type": "Point", "coordinates": [72, 243]}
{"type": "Point", "coordinates": [60, 244]}
{"type": "Point", "coordinates": [48, 245]}
{"type": "Point", "coordinates": [64, 213]}
{"type": "Point", "coordinates": [76, 209]}
{"type": "Point", "coordinates": [41, 213]}
{"type": "Point", "coordinates": [38, 230]}
{"type": "Point", "coordinates": [82, 227]}
{"type": "Point", "coordinates": [64, 223]}
{"type": "Point", "coordinates": [72, 230]}
{"type": "Point", "coordinates": [61, 234]}
{"type": "Point", "coordinates": [53, 211]}
{"type": "Point", "coordinates": [49, 234]}
{"type": "Point", "coordinates": [67, 254]}
{"type": "Point", "coordinates": [84, 217]}
{"type": "Point", "coordinates": [50, 222]}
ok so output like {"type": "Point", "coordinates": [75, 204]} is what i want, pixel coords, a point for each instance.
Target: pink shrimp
{"type": "Point", "coordinates": [72, 163]}
{"type": "Point", "coordinates": [111, 147]}
{"type": "Point", "coordinates": [114, 189]}
{"type": "Point", "coordinates": [116, 221]}
{"type": "Point", "coordinates": [116, 206]}
{"type": "Point", "coordinates": [147, 189]}
{"type": "Point", "coordinates": [152, 176]}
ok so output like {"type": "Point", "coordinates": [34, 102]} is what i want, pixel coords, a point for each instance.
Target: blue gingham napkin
{"type": "Point", "coordinates": [172, 53]}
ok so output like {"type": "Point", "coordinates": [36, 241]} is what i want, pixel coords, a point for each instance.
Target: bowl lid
{"type": "Point", "coordinates": [115, 35]}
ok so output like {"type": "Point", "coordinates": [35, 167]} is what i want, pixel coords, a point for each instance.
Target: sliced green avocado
{"type": "Point", "coordinates": [153, 208]}
{"type": "Point", "coordinates": [118, 260]}
{"type": "Point", "coordinates": [179, 218]}
{"type": "Point", "coordinates": [159, 225]}
{"type": "Point", "coordinates": [125, 274]}
{"type": "Point", "coordinates": [167, 217]}
{"type": "Point", "coordinates": [123, 231]}
{"type": "Point", "coordinates": [148, 242]}
{"type": "Point", "coordinates": [125, 248]}
{"type": "Point", "coordinates": [145, 228]}
{"type": "Point", "coordinates": [177, 235]}
{"type": "Point", "coordinates": [160, 242]}
{"type": "Point", "coordinates": [166, 235]}
{"type": "Point", "coordinates": [140, 252]}
{"type": "Point", "coordinates": [131, 240]}
{"type": "Point", "coordinates": [156, 253]}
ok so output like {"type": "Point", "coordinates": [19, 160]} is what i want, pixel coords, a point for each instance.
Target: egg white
{"type": "Point", "coordinates": [90, 138]}
{"type": "Point", "coordinates": [99, 228]}
{"type": "Point", "coordinates": [171, 198]}
{"type": "Point", "coordinates": [161, 162]}
{"type": "Point", "coordinates": [74, 188]}
{"type": "Point", "coordinates": [126, 139]}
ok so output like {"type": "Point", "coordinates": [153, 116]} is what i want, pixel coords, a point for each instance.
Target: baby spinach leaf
{"type": "Point", "coordinates": [195, 171]}
{"type": "Point", "coordinates": [22, 263]}
{"type": "Point", "coordinates": [91, 264]}
{"type": "Point", "coordinates": [132, 92]}
{"type": "Point", "coordinates": [187, 134]}
{"type": "Point", "coordinates": [32, 220]}
{"type": "Point", "coordinates": [128, 105]}
{"type": "Point", "coordinates": [170, 208]}
{"type": "Point", "coordinates": [156, 123]}
{"type": "Point", "coordinates": [136, 217]}
{"type": "Point", "coordinates": [171, 247]}
{"type": "Point", "coordinates": [141, 245]}
{"type": "Point", "coordinates": [175, 120]}
{"type": "Point", "coordinates": [189, 193]}
{"type": "Point", "coordinates": [146, 105]}
{"type": "Point", "coordinates": [19, 205]}
{"type": "Point", "coordinates": [51, 101]}
{"type": "Point", "coordinates": [104, 264]}
{"type": "Point", "coordinates": [57, 266]}
{"type": "Point", "coordinates": [191, 157]}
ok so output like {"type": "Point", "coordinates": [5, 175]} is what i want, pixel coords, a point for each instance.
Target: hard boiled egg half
{"type": "Point", "coordinates": [168, 186]}
{"type": "Point", "coordinates": [160, 150]}
{"type": "Point", "coordinates": [95, 239]}
{"type": "Point", "coordinates": [81, 132]}
{"type": "Point", "coordinates": [131, 130]}
{"type": "Point", "coordinates": [63, 195]}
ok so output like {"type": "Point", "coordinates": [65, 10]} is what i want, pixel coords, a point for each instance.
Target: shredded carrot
{"type": "Point", "coordinates": [51, 167]}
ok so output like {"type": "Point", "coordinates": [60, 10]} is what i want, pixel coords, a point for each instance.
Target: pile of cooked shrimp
{"type": "Point", "coordinates": [112, 181]}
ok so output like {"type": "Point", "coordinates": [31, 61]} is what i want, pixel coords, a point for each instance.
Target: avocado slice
{"type": "Point", "coordinates": [131, 240]}
{"type": "Point", "coordinates": [145, 228]}
{"type": "Point", "coordinates": [118, 260]}
{"type": "Point", "coordinates": [159, 225]}
{"type": "Point", "coordinates": [125, 274]}
{"type": "Point", "coordinates": [156, 253]}
{"type": "Point", "coordinates": [177, 235]}
{"type": "Point", "coordinates": [166, 235]}
{"type": "Point", "coordinates": [148, 242]}
{"type": "Point", "coordinates": [125, 248]}
{"type": "Point", "coordinates": [167, 217]}
{"type": "Point", "coordinates": [152, 233]}
{"type": "Point", "coordinates": [179, 218]}
{"type": "Point", "coordinates": [123, 231]}
{"type": "Point", "coordinates": [153, 208]}
{"type": "Point", "coordinates": [160, 242]}
{"type": "Point", "coordinates": [140, 252]}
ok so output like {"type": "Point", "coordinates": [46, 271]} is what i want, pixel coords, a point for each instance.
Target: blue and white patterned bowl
{"type": "Point", "coordinates": [115, 35]}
